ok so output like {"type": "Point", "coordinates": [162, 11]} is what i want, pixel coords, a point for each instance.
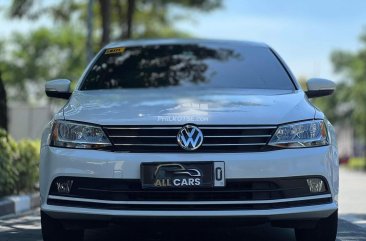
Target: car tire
{"type": "Point", "coordinates": [325, 230]}
{"type": "Point", "coordinates": [53, 230]}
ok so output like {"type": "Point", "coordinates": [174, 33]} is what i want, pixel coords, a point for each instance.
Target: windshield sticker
{"type": "Point", "coordinates": [115, 51]}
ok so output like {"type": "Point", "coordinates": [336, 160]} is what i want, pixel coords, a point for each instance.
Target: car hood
{"type": "Point", "coordinates": [201, 107]}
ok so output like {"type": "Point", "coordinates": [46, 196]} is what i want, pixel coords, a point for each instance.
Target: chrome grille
{"type": "Point", "coordinates": [164, 138]}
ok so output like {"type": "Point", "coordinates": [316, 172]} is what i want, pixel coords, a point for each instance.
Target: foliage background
{"type": "Point", "coordinates": [18, 165]}
{"type": "Point", "coordinates": [28, 59]}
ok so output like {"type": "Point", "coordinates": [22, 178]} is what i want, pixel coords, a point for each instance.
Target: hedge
{"type": "Point", "coordinates": [8, 173]}
{"type": "Point", "coordinates": [18, 165]}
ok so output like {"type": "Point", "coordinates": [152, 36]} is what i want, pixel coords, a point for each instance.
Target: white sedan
{"type": "Point", "coordinates": [189, 129]}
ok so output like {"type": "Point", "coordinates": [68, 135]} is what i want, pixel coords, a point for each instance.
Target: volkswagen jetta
{"type": "Point", "coordinates": [189, 129]}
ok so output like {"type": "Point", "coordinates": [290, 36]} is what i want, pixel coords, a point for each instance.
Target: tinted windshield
{"type": "Point", "coordinates": [211, 66]}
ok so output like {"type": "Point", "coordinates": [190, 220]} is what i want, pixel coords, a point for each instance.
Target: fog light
{"type": "Point", "coordinates": [316, 185]}
{"type": "Point", "coordinates": [64, 186]}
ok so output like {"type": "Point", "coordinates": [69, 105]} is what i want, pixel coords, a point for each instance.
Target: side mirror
{"type": "Point", "coordinates": [319, 87]}
{"type": "Point", "coordinates": [59, 88]}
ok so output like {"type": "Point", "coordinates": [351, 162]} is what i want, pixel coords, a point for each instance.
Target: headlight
{"type": "Point", "coordinates": [76, 135]}
{"type": "Point", "coordinates": [301, 134]}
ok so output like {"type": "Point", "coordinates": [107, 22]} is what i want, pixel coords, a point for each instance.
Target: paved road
{"type": "Point", "coordinates": [352, 224]}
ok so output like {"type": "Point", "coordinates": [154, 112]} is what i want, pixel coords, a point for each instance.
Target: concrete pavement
{"type": "Point", "coordinates": [352, 198]}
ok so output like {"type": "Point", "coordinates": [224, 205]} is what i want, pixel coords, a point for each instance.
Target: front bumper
{"type": "Point", "coordinates": [320, 161]}
{"type": "Point", "coordinates": [298, 213]}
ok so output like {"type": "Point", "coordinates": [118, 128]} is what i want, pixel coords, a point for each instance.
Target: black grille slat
{"type": "Point", "coordinates": [144, 140]}
{"type": "Point", "coordinates": [216, 138]}
{"type": "Point", "coordinates": [236, 132]}
{"type": "Point", "coordinates": [142, 132]}
{"type": "Point", "coordinates": [236, 140]}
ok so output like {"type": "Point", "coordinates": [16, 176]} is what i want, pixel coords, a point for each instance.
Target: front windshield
{"type": "Point", "coordinates": [188, 65]}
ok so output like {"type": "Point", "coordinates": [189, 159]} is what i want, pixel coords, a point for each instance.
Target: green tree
{"type": "Point", "coordinates": [117, 19]}
{"type": "Point", "coordinates": [43, 55]}
{"type": "Point", "coordinates": [337, 107]}
{"type": "Point", "coordinates": [105, 14]}
{"type": "Point", "coordinates": [353, 66]}
{"type": "Point", "coordinates": [21, 8]}
{"type": "Point", "coordinates": [26, 165]}
{"type": "Point", "coordinates": [59, 52]}
{"type": "Point", "coordinates": [8, 156]}
{"type": "Point", "coordinates": [162, 7]}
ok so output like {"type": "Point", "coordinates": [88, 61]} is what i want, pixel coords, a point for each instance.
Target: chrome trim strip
{"type": "Point", "coordinates": [237, 127]}
{"type": "Point", "coordinates": [124, 142]}
{"type": "Point", "coordinates": [201, 127]}
{"type": "Point", "coordinates": [231, 136]}
{"type": "Point", "coordinates": [236, 144]}
{"type": "Point", "coordinates": [190, 202]}
{"type": "Point", "coordinates": [143, 128]}
{"type": "Point", "coordinates": [239, 136]}
{"type": "Point", "coordinates": [129, 144]}
{"type": "Point", "coordinates": [300, 213]}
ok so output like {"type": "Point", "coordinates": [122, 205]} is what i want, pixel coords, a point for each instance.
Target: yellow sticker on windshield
{"type": "Point", "coordinates": [115, 50]}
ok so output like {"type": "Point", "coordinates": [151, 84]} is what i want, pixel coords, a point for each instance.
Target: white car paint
{"type": "Point", "coordinates": [216, 107]}
{"type": "Point", "coordinates": [141, 107]}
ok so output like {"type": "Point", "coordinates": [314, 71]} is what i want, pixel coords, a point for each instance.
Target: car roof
{"type": "Point", "coordinates": [176, 41]}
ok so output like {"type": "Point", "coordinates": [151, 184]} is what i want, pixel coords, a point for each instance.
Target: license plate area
{"type": "Point", "coordinates": [182, 175]}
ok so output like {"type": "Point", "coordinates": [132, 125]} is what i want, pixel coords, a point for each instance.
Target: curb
{"type": "Point", "coordinates": [19, 204]}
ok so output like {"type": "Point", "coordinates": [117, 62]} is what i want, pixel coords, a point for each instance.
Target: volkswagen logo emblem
{"type": "Point", "coordinates": [190, 137]}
